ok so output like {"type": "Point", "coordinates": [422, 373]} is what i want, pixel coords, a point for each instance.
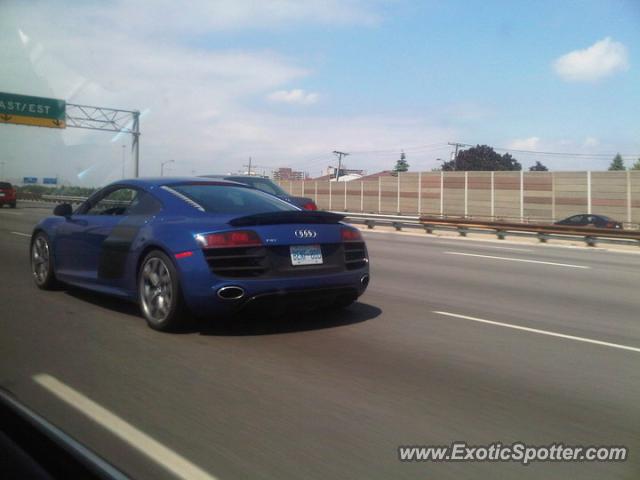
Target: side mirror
{"type": "Point", "coordinates": [63, 210]}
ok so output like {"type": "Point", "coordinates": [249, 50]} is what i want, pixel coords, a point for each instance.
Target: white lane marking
{"type": "Point", "coordinates": [139, 440]}
{"type": "Point", "coordinates": [438, 238]}
{"type": "Point", "coordinates": [503, 248]}
{"type": "Point", "coordinates": [524, 260]}
{"type": "Point", "coordinates": [444, 241]}
{"type": "Point", "coordinates": [21, 234]}
{"type": "Point", "coordinates": [541, 332]}
{"type": "Point", "coordinates": [12, 213]}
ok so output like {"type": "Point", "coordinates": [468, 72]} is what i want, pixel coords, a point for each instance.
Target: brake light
{"type": "Point", "coordinates": [350, 235]}
{"type": "Point", "coordinates": [240, 238]}
{"type": "Point", "coordinates": [310, 206]}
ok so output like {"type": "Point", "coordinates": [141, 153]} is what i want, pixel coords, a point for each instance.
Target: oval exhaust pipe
{"type": "Point", "coordinates": [230, 293]}
{"type": "Point", "coordinates": [364, 280]}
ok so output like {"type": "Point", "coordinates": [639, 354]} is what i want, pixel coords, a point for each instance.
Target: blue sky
{"type": "Point", "coordinates": [287, 82]}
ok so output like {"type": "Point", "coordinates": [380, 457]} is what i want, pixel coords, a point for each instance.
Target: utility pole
{"type": "Point", "coordinates": [248, 167]}
{"type": "Point", "coordinates": [340, 155]}
{"type": "Point", "coordinates": [455, 155]}
{"type": "Point", "coordinates": [2, 164]}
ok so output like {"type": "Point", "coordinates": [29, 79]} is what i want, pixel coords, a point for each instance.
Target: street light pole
{"type": "Point", "coordinates": [123, 148]}
{"type": "Point", "coordinates": [162, 166]}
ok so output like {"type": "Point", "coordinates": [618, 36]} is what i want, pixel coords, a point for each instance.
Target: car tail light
{"type": "Point", "coordinates": [350, 235]}
{"type": "Point", "coordinates": [310, 206]}
{"type": "Point", "coordinates": [240, 238]}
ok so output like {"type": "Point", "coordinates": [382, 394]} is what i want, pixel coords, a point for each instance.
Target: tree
{"type": "Point", "coordinates": [401, 164]}
{"type": "Point", "coordinates": [636, 166]}
{"type": "Point", "coordinates": [482, 157]}
{"type": "Point", "coordinates": [538, 167]}
{"type": "Point", "coordinates": [617, 163]}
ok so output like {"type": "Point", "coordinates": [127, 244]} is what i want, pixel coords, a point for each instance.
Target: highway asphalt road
{"type": "Point", "coordinates": [333, 396]}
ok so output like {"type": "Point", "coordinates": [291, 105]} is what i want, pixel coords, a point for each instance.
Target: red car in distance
{"type": "Point", "coordinates": [7, 195]}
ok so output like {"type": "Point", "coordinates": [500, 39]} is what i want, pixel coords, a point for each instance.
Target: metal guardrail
{"type": "Point", "coordinates": [63, 198]}
{"type": "Point", "coordinates": [38, 197]}
{"type": "Point", "coordinates": [543, 232]}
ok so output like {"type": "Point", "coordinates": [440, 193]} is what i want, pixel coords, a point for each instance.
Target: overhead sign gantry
{"type": "Point", "coordinates": [54, 113]}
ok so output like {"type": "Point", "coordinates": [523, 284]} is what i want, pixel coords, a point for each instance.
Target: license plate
{"type": "Point", "coordinates": [306, 255]}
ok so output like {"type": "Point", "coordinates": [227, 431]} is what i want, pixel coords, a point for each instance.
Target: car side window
{"type": "Point", "coordinates": [115, 202]}
{"type": "Point", "coordinates": [576, 219]}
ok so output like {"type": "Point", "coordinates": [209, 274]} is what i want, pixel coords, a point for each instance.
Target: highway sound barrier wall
{"type": "Point", "coordinates": [520, 196]}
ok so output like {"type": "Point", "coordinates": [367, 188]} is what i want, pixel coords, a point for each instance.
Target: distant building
{"type": "Point", "coordinates": [286, 173]}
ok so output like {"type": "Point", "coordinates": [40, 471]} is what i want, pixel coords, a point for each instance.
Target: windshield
{"type": "Point", "coordinates": [232, 200]}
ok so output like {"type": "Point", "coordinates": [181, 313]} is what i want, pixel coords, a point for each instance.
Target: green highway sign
{"type": "Point", "coordinates": [27, 110]}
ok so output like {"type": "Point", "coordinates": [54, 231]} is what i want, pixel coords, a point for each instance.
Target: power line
{"type": "Point", "coordinates": [406, 150]}
{"type": "Point", "coordinates": [395, 150]}
{"type": "Point", "coordinates": [558, 154]}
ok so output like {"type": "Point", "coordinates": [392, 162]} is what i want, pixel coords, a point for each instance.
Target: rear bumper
{"type": "Point", "coordinates": [273, 293]}
{"type": "Point", "coordinates": [301, 299]}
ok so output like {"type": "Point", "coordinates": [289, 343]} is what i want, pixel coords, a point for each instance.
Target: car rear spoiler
{"type": "Point", "coordinates": [294, 216]}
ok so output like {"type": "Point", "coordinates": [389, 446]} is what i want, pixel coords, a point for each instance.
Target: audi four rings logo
{"type": "Point", "coordinates": [305, 233]}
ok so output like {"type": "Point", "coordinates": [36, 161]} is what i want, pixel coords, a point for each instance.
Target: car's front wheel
{"type": "Point", "coordinates": [42, 263]}
{"type": "Point", "coordinates": [159, 292]}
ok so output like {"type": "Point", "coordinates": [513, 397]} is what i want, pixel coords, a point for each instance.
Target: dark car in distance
{"type": "Point", "coordinates": [7, 195]}
{"type": "Point", "coordinates": [589, 220]}
{"type": "Point", "coordinates": [270, 187]}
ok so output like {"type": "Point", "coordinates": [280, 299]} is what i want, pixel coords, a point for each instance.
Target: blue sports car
{"type": "Point", "coordinates": [209, 247]}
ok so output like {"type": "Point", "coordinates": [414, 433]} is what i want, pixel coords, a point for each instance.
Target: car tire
{"type": "Point", "coordinates": [12, 204]}
{"type": "Point", "coordinates": [42, 262]}
{"type": "Point", "coordinates": [159, 295]}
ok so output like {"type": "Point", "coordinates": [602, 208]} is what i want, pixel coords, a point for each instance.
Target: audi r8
{"type": "Point", "coordinates": [200, 246]}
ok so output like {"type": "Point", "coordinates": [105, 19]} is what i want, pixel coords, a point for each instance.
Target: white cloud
{"type": "Point", "coordinates": [296, 96]}
{"type": "Point", "coordinates": [602, 59]}
{"type": "Point", "coordinates": [524, 143]}
{"type": "Point", "coordinates": [199, 16]}
{"type": "Point", "coordinates": [199, 99]}
{"type": "Point", "coordinates": [591, 142]}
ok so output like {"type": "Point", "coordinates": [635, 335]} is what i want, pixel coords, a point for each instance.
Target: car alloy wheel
{"type": "Point", "coordinates": [40, 260]}
{"type": "Point", "coordinates": [157, 295]}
